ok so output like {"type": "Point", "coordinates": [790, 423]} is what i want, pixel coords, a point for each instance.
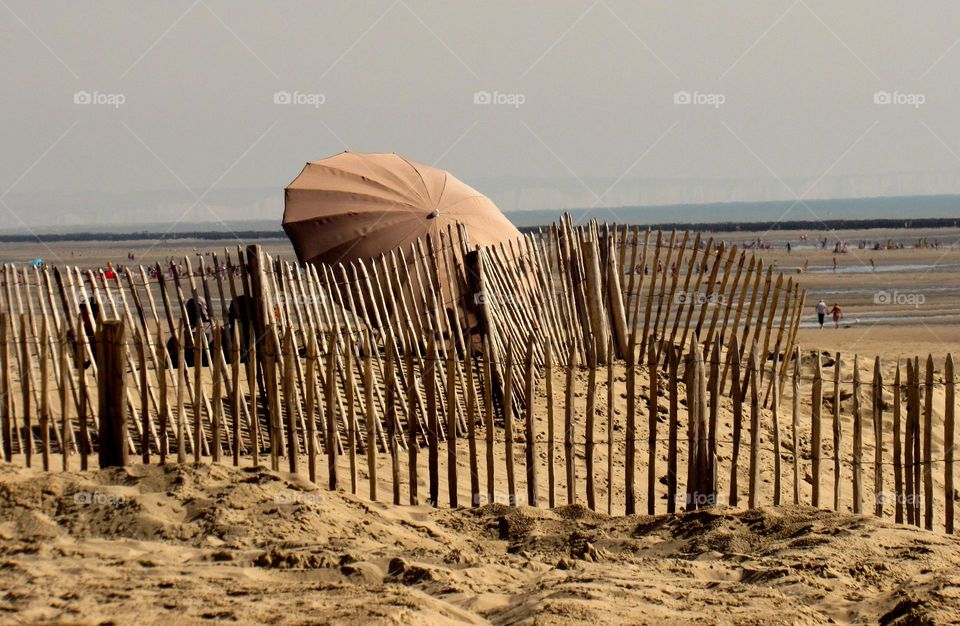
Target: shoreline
{"type": "Point", "coordinates": [932, 223]}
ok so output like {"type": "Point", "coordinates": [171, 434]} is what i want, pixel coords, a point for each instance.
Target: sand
{"type": "Point", "coordinates": [196, 544]}
{"type": "Point", "coordinates": [151, 544]}
{"type": "Point", "coordinates": [160, 544]}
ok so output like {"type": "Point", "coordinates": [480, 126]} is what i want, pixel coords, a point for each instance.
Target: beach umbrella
{"type": "Point", "coordinates": [357, 205]}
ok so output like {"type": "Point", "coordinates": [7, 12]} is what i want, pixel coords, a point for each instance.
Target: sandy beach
{"type": "Point", "coordinates": [251, 545]}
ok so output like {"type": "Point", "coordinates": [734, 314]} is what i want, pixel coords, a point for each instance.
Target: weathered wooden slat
{"type": "Point", "coordinates": [816, 406]}
{"type": "Point", "coordinates": [949, 417]}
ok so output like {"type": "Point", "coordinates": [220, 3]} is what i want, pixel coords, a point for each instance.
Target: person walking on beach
{"type": "Point", "coordinates": [837, 313]}
{"type": "Point", "coordinates": [821, 312]}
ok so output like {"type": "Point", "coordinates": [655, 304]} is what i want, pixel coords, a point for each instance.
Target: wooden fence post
{"type": "Point", "coordinates": [273, 364]}
{"type": "Point", "coordinates": [254, 406]}
{"type": "Point", "coordinates": [290, 398]}
{"type": "Point", "coordinates": [216, 394]}
{"type": "Point", "coordinates": [705, 484]}
{"type": "Point", "coordinates": [508, 428]}
{"type": "Point", "coordinates": [433, 441]}
{"type": "Point", "coordinates": [6, 405]}
{"type": "Point", "coordinates": [910, 487]}
{"type": "Point", "coordinates": [412, 444]}
{"type": "Point", "coordinates": [236, 394]}
{"type": "Point", "coordinates": [897, 446]}
{"type": "Point", "coordinates": [469, 382]}
{"type": "Point", "coordinates": [451, 424]}
{"type": "Point", "coordinates": [198, 343]}
{"type": "Point", "coordinates": [311, 410]}
{"type": "Point", "coordinates": [857, 440]}
{"type": "Point", "coordinates": [141, 345]}
{"type": "Point", "coordinates": [490, 420]}
{"type": "Point", "coordinates": [530, 433]}
{"type": "Point", "coordinates": [350, 390]}
{"type": "Point", "coordinates": [589, 422]}
{"type": "Point", "coordinates": [696, 436]}
{"type": "Point", "coordinates": [917, 451]}
{"type": "Point", "coordinates": [948, 439]}
{"type": "Point", "coordinates": [713, 386]}
{"type": "Point", "coordinates": [551, 426]}
{"type": "Point", "coordinates": [630, 436]}
{"type": "Point", "coordinates": [733, 366]}
{"type": "Point", "coordinates": [25, 384]}
{"type": "Point", "coordinates": [371, 418]}
{"type": "Point", "coordinates": [777, 463]}
{"type": "Point", "coordinates": [877, 401]}
{"type": "Point", "coordinates": [754, 374]}
{"type": "Point", "coordinates": [111, 389]}
{"type": "Point", "coordinates": [610, 438]}
{"type": "Point", "coordinates": [928, 446]}
{"type": "Point", "coordinates": [837, 433]}
{"type": "Point", "coordinates": [652, 426]}
{"type": "Point", "coordinates": [569, 444]}
{"type": "Point", "coordinates": [673, 363]}
{"type": "Point", "coordinates": [331, 410]}
{"type": "Point", "coordinates": [45, 395]}
{"type": "Point", "coordinates": [817, 408]}
{"type": "Point", "coordinates": [66, 430]}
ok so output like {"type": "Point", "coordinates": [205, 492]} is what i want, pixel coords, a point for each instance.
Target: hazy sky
{"type": "Point", "coordinates": [587, 100]}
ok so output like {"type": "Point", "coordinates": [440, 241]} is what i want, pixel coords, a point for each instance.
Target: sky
{"type": "Point", "coordinates": [203, 110]}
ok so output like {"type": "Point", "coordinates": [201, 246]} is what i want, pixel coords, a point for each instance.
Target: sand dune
{"type": "Point", "coordinates": [157, 544]}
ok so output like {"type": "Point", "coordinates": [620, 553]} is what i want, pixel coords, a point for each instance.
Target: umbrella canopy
{"type": "Point", "coordinates": [357, 205]}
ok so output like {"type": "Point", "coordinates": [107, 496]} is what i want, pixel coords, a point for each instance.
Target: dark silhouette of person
{"type": "Point", "coordinates": [238, 315]}
{"type": "Point", "coordinates": [197, 315]}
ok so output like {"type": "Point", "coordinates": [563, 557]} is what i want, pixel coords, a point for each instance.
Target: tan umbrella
{"type": "Point", "coordinates": [357, 205]}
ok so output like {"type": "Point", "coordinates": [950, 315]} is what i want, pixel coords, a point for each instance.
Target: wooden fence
{"type": "Point", "coordinates": [702, 469]}
{"type": "Point", "coordinates": [438, 342]}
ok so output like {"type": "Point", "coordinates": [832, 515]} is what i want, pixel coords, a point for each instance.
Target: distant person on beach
{"type": "Point", "coordinates": [197, 315]}
{"type": "Point", "coordinates": [238, 318]}
{"type": "Point", "coordinates": [821, 312]}
{"type": "Point", "coordinates": [834, 264]}
{"type": "Point", "coordinates": [837, 313]}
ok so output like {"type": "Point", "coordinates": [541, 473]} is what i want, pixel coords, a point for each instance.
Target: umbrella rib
{"type": "Point", "coordinates": [422, 182]}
